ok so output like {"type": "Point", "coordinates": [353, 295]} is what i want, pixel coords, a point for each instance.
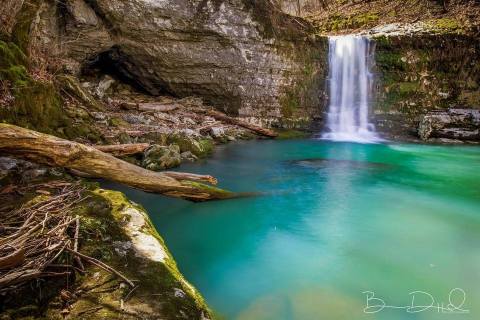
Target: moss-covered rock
{"type": "Point", "coordinates": [72, 86]}
{"type": "Point", "coordinates": [200, 147]}
{"type": "Point", "coordinates": [302, 101]}
{"type": "Point", "coordinates": [158, 157]}
{"type": "Point", "coordinates": [417, 74]}
{"type": "Point", "coordinates": [339, 21]}
{"type": "Point", "coordinates": [120, 233]}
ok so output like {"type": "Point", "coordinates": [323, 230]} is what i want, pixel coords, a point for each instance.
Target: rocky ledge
{"type": "Point", "coordinates": [458, 124]}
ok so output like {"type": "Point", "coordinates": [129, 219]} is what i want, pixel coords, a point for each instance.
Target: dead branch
{"type": "Point", "coordinates": [227, 119]}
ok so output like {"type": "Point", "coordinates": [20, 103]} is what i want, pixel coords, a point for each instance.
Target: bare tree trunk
{"type": "Point", "coordinates": [224, 118]}
{"type": "Point", "coordinates": [54, 151]}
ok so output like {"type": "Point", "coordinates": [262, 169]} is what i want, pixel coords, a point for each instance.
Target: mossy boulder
{"type": "Point", "coordinates": [158, 157]}
{"type": "Point", "coordinates": [200, 147]}
{"type": "Point", "coordinates": [120, 234]}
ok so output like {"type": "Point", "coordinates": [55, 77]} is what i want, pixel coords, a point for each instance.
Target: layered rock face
{"type": "Point", "coordinates": [462, 124]}
{"type": "Point", "coordinates": [419, 73]}
{"type": "Point", "coordinates": [245, 57]}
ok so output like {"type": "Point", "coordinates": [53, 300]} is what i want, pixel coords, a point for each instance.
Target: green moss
{"type": "Point", "coordinates": [11, 55]}
{"type": "Point", "coordinates": [390, 60]}
{"type": "Point", "coordinates": [304, 91]}
{"type": "Point", "coordinates": [37, 105]}
{"type": "Point", "coordinates": [405, 88]}
{"type": "Point", "coordinates": [284, 134]}
{"type": "Point", "coordinates": [382, 40]}
{"type": "Point", "coordinates": [206, 147]}
{"type": "Point", "coordinates": [117, 122]}
{"type": "Point", "coordinates": [220, 193]}
{"type": "Point", "coordinates": [339, 21]}
{"type": "Point", "coordinates": [102, 217]}
{"type": "Point", "coordinates": [199, 147]}
{"type": "Point", "coordinates": [446, 25]}
{"type": "Point", "coordinates": [290, 102]}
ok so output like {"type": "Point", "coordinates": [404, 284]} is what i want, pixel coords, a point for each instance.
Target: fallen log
{"type": "Point", "coordinates": [171, 174]}
{"type": "Point", "coordinates": [149, 106]}
{"type": "Point", "coordinates": [223, 117]}
{"type": "Point", "coordinates": [55, 151]}
{"type": "Point", "coordinates": [120, 150]}
{"type": "Point", "coordinates": [157, 107]}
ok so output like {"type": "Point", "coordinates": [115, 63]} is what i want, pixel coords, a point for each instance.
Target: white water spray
{"type": "Point", "coordinates": [350, 87]}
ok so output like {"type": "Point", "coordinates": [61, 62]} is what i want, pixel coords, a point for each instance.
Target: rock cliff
{"type": "Point", "coordinates": [424, 72]}
{"type": "Point", "coordinates": [245, 57]}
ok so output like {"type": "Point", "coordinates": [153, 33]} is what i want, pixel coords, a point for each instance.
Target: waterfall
{"type": "Point", "coordinates": [350, 87]}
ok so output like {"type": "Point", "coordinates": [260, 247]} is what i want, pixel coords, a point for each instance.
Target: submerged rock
{"type": "Point", "coordinates": [338, 163]}
{"type": "Point", "coordinates": [460, 124]}
{"type": "Point", "coordinates": [158, 157]}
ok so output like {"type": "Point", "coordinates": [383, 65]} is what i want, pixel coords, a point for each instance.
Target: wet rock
{"type": "Point", "coordinates": [459, 124]}
{"type": "Point", "coordinates": [189, 156]}
{"type": "Point", "coordinates": [158, 157]}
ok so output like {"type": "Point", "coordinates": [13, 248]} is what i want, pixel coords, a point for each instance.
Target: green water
{"type": "Point", "coordinates": [337, 219]}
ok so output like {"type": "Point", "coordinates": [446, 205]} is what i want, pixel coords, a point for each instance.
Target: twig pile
{"type": "Point", "coordinates": [35, 235]}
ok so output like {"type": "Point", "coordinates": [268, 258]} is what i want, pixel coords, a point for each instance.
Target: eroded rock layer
{"type": "Point", "coordinates": [245, 57]}
{"type": "Point", "coordinates": [424, 72]}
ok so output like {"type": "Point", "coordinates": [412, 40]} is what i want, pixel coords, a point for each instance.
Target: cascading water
{"type": "Point", "coordinates": [350, 87]}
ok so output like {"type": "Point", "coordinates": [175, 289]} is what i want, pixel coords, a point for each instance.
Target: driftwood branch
{"type": "Point", "coordinates": [172, 174]}
{"type": "Point", "coordinates": [224, 118]}
{"type": "Point", "coordinates": [55, 151]}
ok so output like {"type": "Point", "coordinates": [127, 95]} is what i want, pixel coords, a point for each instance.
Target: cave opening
{"type": "Point", "coordinates": [120, 66]}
